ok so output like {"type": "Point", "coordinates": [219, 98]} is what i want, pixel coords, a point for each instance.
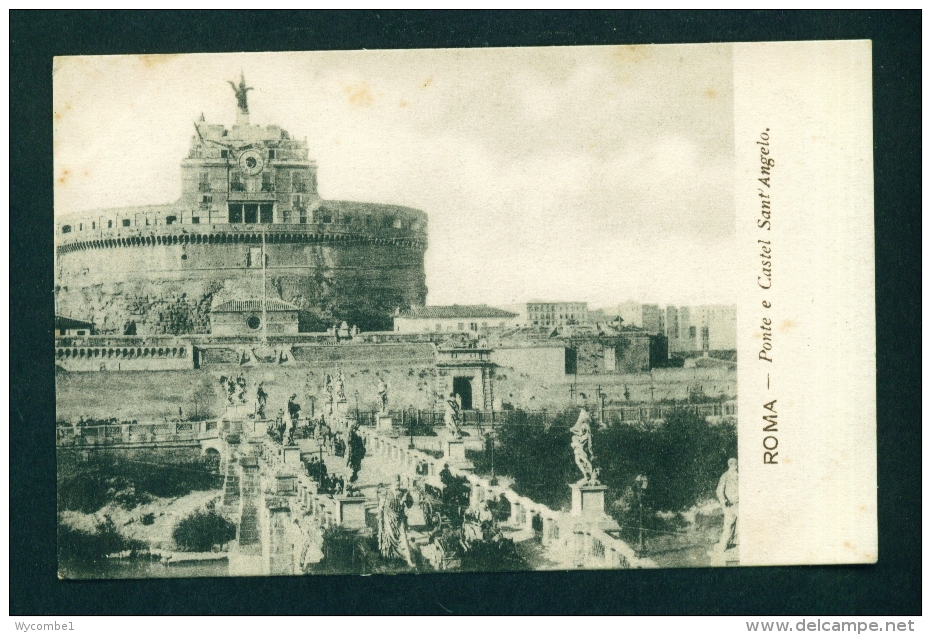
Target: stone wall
{"type": "Point", "coordinates": [169, 288]}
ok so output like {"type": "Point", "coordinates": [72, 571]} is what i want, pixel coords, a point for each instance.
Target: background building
{"type": "Point", "coordinates": [454, 318]}
{"type": "Point", "coordinates": [653, 319]}
{"type": "Point", "coordinates": [556, 313]}
{"type": "Point", "coordinates": [702, 328]}
{"type": "Point", "coordinates": [244, 317]}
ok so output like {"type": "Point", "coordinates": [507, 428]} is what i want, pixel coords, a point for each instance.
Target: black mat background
{"type": "Point", "coordinates": [891, 587]}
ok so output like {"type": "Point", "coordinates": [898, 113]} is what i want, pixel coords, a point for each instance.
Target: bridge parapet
{"type": "Point", "coordinates": [132, 432]}
{"type": "Point", "coordinates": [571, 541]}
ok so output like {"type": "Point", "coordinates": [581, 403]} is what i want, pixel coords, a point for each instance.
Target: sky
{"type": "Point", "coordinates": [598, 174]}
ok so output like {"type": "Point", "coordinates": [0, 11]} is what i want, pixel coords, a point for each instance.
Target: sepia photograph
{"type": "Point", "coordinates": [395, 311]}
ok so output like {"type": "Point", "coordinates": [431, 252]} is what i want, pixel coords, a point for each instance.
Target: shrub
{"type": "Point", "coordinates": [683, 459]}
{"type": "Point", "coordinates": [75, 545]}
{"type": "Point", "coordinates": [202, 530]}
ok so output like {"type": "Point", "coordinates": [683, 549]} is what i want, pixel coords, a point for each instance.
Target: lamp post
{"type": "Point", "coordinates": [640, 488]}
{"type": "Point", "coordinates": [410, 429]}
{"type": "Point", "coordinates": [357, 406]}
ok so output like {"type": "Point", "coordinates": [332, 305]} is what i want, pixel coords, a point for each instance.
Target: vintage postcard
{"type": "Point", "coordinates": [464, 310]}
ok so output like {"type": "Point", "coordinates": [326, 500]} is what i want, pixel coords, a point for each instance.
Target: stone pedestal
{"type": "Point", "coordinates": [351, 514]}
{"type": "Point", "coordinates": [454, 454]}
{"type": "Point", "coordinates": [454, 450]}
{"type": "Point", "coordinates": [291, 456]}
{"type": "Point", "coordinates": [383, 422]}
{"type": "Point", "coordinates": [588, 504]}
{"type": "Point", "coordinates": [238, 411]}
{"type": "Point", "coordinates": [285, 485]}
{"type": "Point", "coordinates": [340, 409]}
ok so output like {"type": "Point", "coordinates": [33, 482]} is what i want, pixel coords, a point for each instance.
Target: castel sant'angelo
{"type": "Point", "coordinates": [246, 190]}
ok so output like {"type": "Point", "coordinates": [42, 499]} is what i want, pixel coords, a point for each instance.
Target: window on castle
{"type": "Point", "coordinates": [460, 326]}
{"type": "Point", "coordinates": [109, 224]}
{"type": "Point", "coordinates": [235, 213]}
{"type": "Point", "coordinates": [303, 216]}
{"type": "Point", "coordinates": [265, 213]}
{"type": "Point", "coordinates": [66, 229]}
{"type": "Point", "coordinates": [297, 201]}
{"type": "Point", "coordinates": [204, 184]}
{"type": "Point", "coordinates": [347, 219]}
{"type": "Point", "coordinates": [126, 222]}
{"type": "Point", "coordinates": [397, 223]}
{"type": "Point", "coordinates": [206, 201]}
{"type": "Point", "coordinates": [297, 181]}
{"type": "Point", "coordinates": [80, 227]}
{"type": "Point", "coordinates": [251, 213]}
{"type": "Point", "coordinates": [326, 217]}
{"type": "Point", "coordinates": [439, 327]}
{"type": "Point", "coordinates": [170, 220]}
{"type": "Point", "coordinates": [691, 332]}
{"type": "Point", "coordinates": [195, 220]}
{"type": "Point", "coordinates": [271, 154]}
{"type": "Point", "coordinates": [224, 154]}
{"type": "Point", "coordinates": [286, 216]}
{"type": "Point", "coordinates": [267, 184]}
{"type": "Point", "coordinates": [236, 184]}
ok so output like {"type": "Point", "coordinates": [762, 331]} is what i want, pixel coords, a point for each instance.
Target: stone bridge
{"type": "Point", "coordinates": [281, 513]}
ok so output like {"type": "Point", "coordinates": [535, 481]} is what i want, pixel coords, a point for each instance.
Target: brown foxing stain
{"type": "Point", "coordinates": [151, 61]}
{"type": "Point", "coordinates": [403, 104]}
{"type": "Point", "coordinates": [427, 82]}
{"type": "Point", "coordinates": [359, 95]}
{"type": "Point", "coordinates": [711, 93]}
{"type": "Point", "coordinates": [65, 177]}
{"type": "Point", "coordinates": [631, 53]}
{"type": "Point", "coordinates": [787, 325]}
{"type": "Point", "coordinates": [58, 114]}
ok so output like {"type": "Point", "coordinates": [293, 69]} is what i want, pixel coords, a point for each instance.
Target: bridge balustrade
{"type": "Point", "coordinates": [561, 532]}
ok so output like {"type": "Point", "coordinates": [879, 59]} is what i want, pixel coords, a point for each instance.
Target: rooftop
{"type": "Point", "coordinates": [457, 311]}
{"type": "Point", "coordinates": [63, 323]}
{"type": "Point", "coordinates": [253, 306]}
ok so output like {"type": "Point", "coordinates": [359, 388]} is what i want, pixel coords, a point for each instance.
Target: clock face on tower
{"type": "Point", "coordinates": [250, 162]}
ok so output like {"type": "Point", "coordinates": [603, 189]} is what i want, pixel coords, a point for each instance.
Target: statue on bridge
{"type": "Point", "coordinates": [328, 388]}
{"type": "Point", "coordinates": [383, 394]}
{"type": "Point", "coordinates": [340, 385]}
{"type": "Point", "coordinates": [392, 523]}
{"type": "Point", "coordinates": [355, 452]}
{"type": "Point", "coordinates": [728, 496]}
{"type": "Point", "coordinates": [582, 447]}
{"type": "Point", "coordinates": [451, 415]}
{"type": "Point", "coordinates": [261, 398]}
